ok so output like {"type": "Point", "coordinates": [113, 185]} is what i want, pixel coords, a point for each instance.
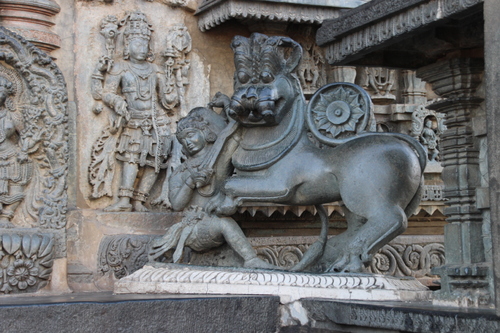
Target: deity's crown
{"type": "Point", "coordinates": [136, 26]}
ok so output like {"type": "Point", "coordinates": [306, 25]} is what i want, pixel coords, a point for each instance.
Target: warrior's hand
{"type": "Point", "coordinates": [121, 109]}
{"type": "Point", "coordinates": [202, 178]}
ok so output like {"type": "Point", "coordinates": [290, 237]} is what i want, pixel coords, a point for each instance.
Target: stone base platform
{"type": "Point", "coordinates": [291, 287]}
{"type": "Point", "coordinates": [104, 312]}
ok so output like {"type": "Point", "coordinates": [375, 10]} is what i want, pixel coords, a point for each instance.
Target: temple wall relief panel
{"type": "Point", "coordinates": [34, 155]}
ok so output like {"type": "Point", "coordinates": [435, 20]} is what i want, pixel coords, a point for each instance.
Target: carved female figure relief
{"type": "Point", "coordinates": [16, 168]}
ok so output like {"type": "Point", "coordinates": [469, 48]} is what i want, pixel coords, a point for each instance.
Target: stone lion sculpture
{"type": "Point", "coordinates": [293, 153]}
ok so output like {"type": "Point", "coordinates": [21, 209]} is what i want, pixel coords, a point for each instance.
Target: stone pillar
{"type": "Point", "coordinates": [464, 277]}
{"type": "Point", "coordinates": [492, 79]}
{"type": "Point", "coordinates": [32, 19]}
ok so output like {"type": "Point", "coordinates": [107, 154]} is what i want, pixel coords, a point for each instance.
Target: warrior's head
{"type": "Point", "coordinates": [137, 36]}
{"type": "Point", "coordinates": [263, 82]}
{"type": "Point", "coordinates": [198, 129]}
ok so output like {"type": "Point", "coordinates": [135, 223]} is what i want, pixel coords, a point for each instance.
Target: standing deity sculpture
{"type": "Point", "coordinates": [143, 98]}
{"type": "Point", "coordinates": [16, 168]}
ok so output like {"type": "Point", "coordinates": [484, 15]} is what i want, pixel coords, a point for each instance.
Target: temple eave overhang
{"type": "Point", "coordinates": [406, 34]}
{"type": "Point", "coordinates": [212, 13]}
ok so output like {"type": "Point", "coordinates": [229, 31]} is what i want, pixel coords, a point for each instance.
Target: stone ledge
{"type": "Point", "coordinates": [290, 286]}
{"type": "Point", "coordinates": [400, 316]}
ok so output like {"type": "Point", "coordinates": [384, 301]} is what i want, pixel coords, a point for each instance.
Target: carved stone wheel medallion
{"type": "Point", "coordinates": [337, 112]}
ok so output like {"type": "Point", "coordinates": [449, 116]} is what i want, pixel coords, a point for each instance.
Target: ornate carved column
{"type": "Point", "coordinates": [465, 279]}
{"type": "Point", "coordinates": [32, 19]}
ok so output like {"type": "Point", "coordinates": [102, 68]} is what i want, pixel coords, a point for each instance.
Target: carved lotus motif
{"type": "Point", "coordinates": [338, 111]}
{"type": "Point", "coordinates": [22, 274]}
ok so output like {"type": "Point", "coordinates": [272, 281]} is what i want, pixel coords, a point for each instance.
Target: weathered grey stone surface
{"type": "Point", "coordinates": [492, 78]}
{"type": "Point", "coordinates": [416, 317]}
{"type": "Point", "coordinates": [107, 313]}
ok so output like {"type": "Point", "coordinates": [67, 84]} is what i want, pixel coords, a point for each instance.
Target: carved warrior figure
{"type": "Point", "coordinates": [191, 186]}
{"type": "Point", "coordinates": [139, 134]}
{"type": "Point", "coordinates": [378, 176]}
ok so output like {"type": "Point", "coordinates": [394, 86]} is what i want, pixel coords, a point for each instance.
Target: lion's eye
{"type": "Point", "coordinates": [266, 77]}
{"type": "Point", "coordinates": [243, 77]}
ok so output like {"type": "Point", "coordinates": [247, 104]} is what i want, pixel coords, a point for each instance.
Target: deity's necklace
{"type": "Point", "coordinates": [139, 74]}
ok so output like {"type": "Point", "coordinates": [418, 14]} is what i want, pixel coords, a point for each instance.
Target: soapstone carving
{"type": "Point", "coordinates": [191, 185]}
{"type": "Point", "coordinates": [312, 68]}
{"type": "Point", "coordinates": [33, 136]}
{"type": "Point", "coordinates": [427, 127]}
{"type": "Point", "coordinates": [380, 82]}
{"type": "Point", "coordinates": [143, 97]}
{"type": "Point", "coordinates": [176, 62]}
{"type": "Point", "coordinates": [16, 168]}
{"type": "Point", "coordinates": [123, 254]}
{"type": "Point", "coordinates": [25, 262]}
{"type": "Point", "coordinates": [378, 176]}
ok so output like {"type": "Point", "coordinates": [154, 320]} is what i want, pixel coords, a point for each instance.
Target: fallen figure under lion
{"type": "Point", "coordinates": [275, 148]}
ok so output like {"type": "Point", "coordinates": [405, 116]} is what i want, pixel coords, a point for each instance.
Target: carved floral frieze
{"type": "Point", "coordinates": [122, 255]}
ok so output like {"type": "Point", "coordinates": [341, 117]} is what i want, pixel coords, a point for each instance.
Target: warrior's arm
{"type": "Point", "coordinates": [110, 96]}
{"type": "Point", "coordinates": [181, 189]}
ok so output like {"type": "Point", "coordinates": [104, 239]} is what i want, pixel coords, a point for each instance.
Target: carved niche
{"type": "Point", "coordinates": [427, 126]}
{"type": "Point", "coordinates": [142, 99]}
{"type": "Point", "coordinates": [33, 136]}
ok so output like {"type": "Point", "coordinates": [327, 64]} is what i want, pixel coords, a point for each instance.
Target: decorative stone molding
{"type": "Point", "coordinates": [213, 13]}
{"type": "Point", "coordinates": [405, 256]}
{"type": "Point", "coordinates": [32, 19]}
{"type": "Point", "coordinates": [177, 279]}
{"type": "Point", "coordinates": [38, 108]}
{"type": "Point", "coordinates": [362, 16]}
{"type": "Point", "coordinates": [25, 262]}
{"type": "Point", "coordinates": [380, 83]}
{"type": "Point", "coordinates": [380, 22]}
{"type": "Point", "coordinates": [123, 254]}
{"type": "Point", "coordinates": [433, 193]}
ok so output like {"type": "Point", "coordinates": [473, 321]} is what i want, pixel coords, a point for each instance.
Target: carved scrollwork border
{"type": "Point", "coordinates": [45, 116]}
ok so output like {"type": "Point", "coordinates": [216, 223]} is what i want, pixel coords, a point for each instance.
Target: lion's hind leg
{"type": "Point", "coordinates": [337, 256]}
{"type": "Point", "coordinates": [367, 235]}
